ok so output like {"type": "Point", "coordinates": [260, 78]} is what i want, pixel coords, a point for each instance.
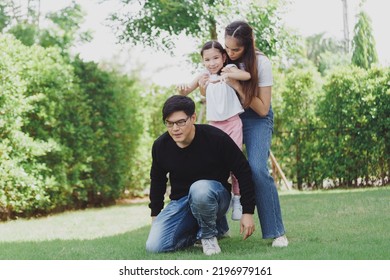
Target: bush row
{"type": "Point", "coordinates": [334, 131]}
{"type": "Point", "coordinates": [68, 131]}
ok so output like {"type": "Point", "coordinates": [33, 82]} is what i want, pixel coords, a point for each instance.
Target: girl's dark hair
{"type": "Point", "coordinates": [243, 33]}
{"type": "Point", "coordinates": [177, 103]}
{"type": "Point", "coordinates": [214, 45]}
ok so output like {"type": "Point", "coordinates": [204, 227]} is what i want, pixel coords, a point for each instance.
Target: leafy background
{"type": "Point", "coordinates": [75, 134]}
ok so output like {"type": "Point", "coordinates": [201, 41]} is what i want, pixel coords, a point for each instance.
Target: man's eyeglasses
{"type": "Point", "coordinates": [179, 123]}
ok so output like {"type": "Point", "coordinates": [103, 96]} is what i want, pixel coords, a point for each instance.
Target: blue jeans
{"type": "Point", "coordinates": [257, 139]}
{"type": "Point", "coordinates": [201, 214]}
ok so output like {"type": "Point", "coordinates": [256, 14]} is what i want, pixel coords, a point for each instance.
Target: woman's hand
{"type": "Point", "coordinates": [236, 85]}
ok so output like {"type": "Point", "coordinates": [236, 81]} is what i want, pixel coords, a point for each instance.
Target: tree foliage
{"type": "Point", "coordinates": [66, 28]}
{"type": "Point", "coordinates": [271, 36]}
{"type": "Point", "coordinates": [157, 23]}
{"type": "Point", "coordinates": [363, 43]}
{"type": "Point", "coordinates": [4, 17]}
{"type": "Point", "coordinates": [63, 31]}
{"type": "Point", "coordinates": [325, 52]}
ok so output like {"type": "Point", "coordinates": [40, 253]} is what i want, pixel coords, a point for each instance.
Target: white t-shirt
{"type": "Point", "coordinates": [264, 69]}
{"type": "Point", "coordinates": [222, 102]}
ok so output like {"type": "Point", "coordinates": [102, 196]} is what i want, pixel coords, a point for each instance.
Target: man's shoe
{"type": "Point", "coordinates": [237, 208]}
{"type": "Point", "coordinates": [210, 246]}
{"type": "Point", "coordinates": [280, 242]}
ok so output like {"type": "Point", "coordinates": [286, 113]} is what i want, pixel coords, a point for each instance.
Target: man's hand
{"type": "Point", "coordinates": [247, 226]}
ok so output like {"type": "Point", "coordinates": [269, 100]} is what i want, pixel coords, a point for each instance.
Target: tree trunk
{"type": "Point", "coordinates": [213, 30]}
{"type": "Point", "coordinates": [346, 28]}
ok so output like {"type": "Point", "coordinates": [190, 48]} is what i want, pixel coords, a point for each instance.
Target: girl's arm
{"type": "Point", "coordinates": [200, 81]}
{"type": "Point", "coordinates": [185, 89]}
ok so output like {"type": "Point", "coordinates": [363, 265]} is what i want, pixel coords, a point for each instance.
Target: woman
{"type": "Point", "coordinates": [255, 96]}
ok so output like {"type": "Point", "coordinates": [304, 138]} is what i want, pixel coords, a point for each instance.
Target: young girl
{"type": "Point", "coordinates": [222, 104]}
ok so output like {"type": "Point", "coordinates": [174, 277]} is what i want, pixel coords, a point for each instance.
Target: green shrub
{"type": "Point", "coordinates": [24, 178]}
{"type": "Point", "coordinates": [337, 133]}
{"type": "Point", "coordinates": [69, 132]}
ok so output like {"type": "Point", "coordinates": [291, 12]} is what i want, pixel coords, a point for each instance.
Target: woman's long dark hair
{"type": "Point", "coordinates": [243, 33]}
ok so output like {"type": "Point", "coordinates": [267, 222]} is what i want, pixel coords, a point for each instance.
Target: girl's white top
{"type": "Point", "coordinates": [222, 101]}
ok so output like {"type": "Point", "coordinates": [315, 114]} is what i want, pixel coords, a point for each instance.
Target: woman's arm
{"type": "Point", "coordinates": [235, 73]}
{"type": "Point", "coordinates": [261, 103]}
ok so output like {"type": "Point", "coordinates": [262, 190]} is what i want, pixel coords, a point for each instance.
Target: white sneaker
{"type": "Point", "coordinates": [237, 208]}
{"type": "Point", "coordinates": [280, 241]}
{"type": "Point", "coordinates": [210, 246]}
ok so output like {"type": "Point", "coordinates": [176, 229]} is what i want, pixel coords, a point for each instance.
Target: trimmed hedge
{"type": "Point", "coordinates": [335, 135]}
{"type": "Point", "coordinates": [68, 131]}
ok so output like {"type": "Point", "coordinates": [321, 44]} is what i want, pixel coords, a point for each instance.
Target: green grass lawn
{"type": "Point", "coordinates": [323, 225]}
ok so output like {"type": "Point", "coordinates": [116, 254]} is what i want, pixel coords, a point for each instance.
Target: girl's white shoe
{"type": "Point", "coordinates": [280, 242]}
{"type": "Point", "coordinates": [237, 208]}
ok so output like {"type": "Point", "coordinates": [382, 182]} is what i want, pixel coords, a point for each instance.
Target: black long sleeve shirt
{"type": "Point", "coordinates": [211, 155]}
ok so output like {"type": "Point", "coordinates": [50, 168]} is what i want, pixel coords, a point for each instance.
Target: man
{"type": "Point", "coordinates": [198, 159]}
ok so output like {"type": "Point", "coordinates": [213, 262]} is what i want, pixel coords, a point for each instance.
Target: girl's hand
{"type": "Point", "coordinates": [183, 88]}
{"type": "Point", "coordinates": [203, 83]}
